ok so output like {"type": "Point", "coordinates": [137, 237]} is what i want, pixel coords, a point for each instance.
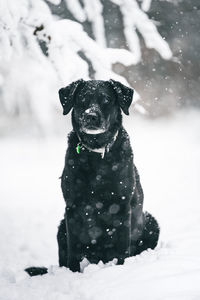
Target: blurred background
{"type": "Point", "coordinates": [151, 45]}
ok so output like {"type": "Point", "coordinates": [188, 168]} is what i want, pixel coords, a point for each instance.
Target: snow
{"type": "Point", "coordinates": [146, 4]}
{"type": "Point", "coordinates": [136, 19]}
{"type": "Point", "coordinates": [64, 39]}
{"type": "Point", "coordinates": [55, 2]}
{"type": "Point", "coordinates": [26, 25]}
{"type": "Point", "coordinates": [94, 11]}
{"type": "Point", "coordinates": [167, 156]}
{"type": "Point", "coordinates": [76, 9]}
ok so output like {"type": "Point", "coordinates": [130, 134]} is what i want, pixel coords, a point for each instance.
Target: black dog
{"type": "Point", "coordinates": [100, 183]}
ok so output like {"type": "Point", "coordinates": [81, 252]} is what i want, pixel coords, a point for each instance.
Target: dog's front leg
{"type": "Point", "coordinates": [65, 250]}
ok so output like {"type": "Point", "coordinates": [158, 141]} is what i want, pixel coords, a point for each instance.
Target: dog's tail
{"type": "Point", "coordinates": [34, 271]}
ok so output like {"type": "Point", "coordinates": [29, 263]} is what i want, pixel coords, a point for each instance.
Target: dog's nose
{"type": "Point", "coordinates": [92, 118]}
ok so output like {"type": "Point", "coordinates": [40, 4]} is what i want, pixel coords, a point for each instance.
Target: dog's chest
{"type": "Point", "coordinates": [98, 193]}
{"type": "Point", "coordinates": [93, 180]}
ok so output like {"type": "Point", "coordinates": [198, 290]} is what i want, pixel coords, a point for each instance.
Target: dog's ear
{"type": "Point", "coordinates": [124, 95]}
{"type": "Point", "coordinates": [67, 95]}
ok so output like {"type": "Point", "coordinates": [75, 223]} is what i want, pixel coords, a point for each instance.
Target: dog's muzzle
{"type": "Point", "coordinates": [92, 122]}
{"type": "Point", "coordinates": [92, 119]}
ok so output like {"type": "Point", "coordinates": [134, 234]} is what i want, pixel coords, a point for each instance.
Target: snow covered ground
{"type": "Point", "coordinates": [167, 154]}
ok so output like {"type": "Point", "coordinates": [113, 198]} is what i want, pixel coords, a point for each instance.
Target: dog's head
{"type": "Point", "coordinates": [96, 104]}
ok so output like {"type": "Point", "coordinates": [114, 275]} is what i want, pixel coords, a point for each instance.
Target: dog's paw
{"type": "Point", "coordinates": [34, 271]}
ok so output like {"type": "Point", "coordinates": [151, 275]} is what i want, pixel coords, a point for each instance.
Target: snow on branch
{"type": "Point", "coordinates": [136, 19]}
{"type": "Point", "coordinates": [94, 11]}
{"type": "Point", "coordinates": [146, 4]}
{"type": "Point", "coordinates": [91, 11]}
{"type": "Point", "coordinates": [55, 2]}
{"type": "Point", "coordinates": [76, 9]}
{"type": "Point", "coordinates": [39, 52]}
{"type": "Point", "coordinates": [68, 39]}
{"type": "Point", "coordinates": [24, 30]}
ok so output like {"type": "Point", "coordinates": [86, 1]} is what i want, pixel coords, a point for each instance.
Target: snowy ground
{"type": "Point", "coordinates": [168, 159]}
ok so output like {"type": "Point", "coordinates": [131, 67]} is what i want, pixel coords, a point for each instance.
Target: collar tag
{"type": "Point", "coordinates": [78, 148]}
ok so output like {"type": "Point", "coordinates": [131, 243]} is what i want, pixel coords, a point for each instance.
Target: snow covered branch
{"type": "Point", "coordinates": [41, 52]}
{"type": "Point", "coordinates": [136, 19]}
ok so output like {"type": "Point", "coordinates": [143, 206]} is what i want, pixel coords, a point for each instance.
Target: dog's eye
{"type": "Point", "coordinates": [106, 101]}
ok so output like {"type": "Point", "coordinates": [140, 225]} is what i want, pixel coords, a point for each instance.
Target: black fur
{"type": "Point", "coordinates": [104, 216]}
{"type": "Point", "coordinates": [104, 197]}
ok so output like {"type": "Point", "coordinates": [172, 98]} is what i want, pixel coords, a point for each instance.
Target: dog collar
{"type": "Point", "coordinates": [102, 150]}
